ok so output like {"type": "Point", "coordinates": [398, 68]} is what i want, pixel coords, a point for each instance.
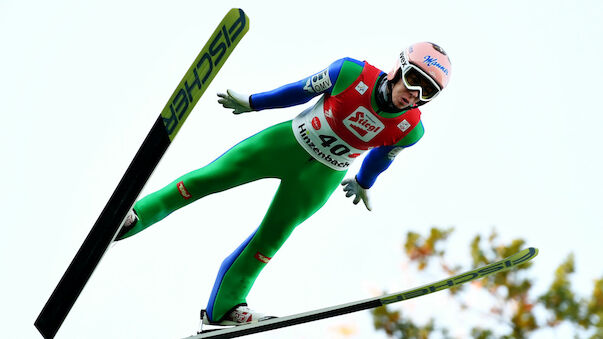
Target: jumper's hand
{"type": "Point", "coordinates": [352, 187]}
{"type": "Point", "coordinates": [238, 102]}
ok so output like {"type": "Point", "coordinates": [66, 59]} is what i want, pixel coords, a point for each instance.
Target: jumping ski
{"type": "Point", "coordinates": [271, 324]}
{"type": "Point", "coordinates": [194, 83]}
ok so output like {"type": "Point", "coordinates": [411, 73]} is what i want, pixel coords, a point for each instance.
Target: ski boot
{"type": "Point", "coordinates": [240, 315]}
{"type": "Point", "coordinates": [129, 223]}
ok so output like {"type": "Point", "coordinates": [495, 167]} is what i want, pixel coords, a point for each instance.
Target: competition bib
{"type": "Point", "coordinates": [314, 134]}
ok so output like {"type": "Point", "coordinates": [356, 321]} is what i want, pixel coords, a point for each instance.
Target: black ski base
{"type": "Point", "coordinates": [100, 237]}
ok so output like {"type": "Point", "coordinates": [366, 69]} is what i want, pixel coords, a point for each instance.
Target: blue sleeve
{"type": "Point", "coordinates": [301, 91]}
{"type": "Point", "coordinates": [376, 161]}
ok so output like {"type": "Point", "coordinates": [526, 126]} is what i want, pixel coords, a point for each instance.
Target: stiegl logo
{"type": "Point", "coordinates": [364, 124]}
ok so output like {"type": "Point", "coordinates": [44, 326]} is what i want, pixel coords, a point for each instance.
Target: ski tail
{"type": "Point", "coordinates": [198, 77]}
{"type": "Point", "coordinates": [511, 262]}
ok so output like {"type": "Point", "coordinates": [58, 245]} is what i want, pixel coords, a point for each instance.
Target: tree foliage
{"type": "Point", "coordinates": [511, 298]}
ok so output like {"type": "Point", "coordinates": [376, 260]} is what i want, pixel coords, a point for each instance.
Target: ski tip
{"type": "Point", "coordinates": [523, 256]}
{"type": "Point", "coordinates": [532, 250]}
{"type": "Point", "coordinates": [237, 11]}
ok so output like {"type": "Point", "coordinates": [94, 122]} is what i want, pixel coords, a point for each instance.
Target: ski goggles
{"type": "Point", "coordinates": [415, 79]}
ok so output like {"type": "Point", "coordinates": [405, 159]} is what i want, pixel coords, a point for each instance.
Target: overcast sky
{"type": "Point", "coordinates": [513, 144]}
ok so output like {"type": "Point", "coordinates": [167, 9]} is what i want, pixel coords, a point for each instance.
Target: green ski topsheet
{"type": "Point", "coordinates": [209, 61]}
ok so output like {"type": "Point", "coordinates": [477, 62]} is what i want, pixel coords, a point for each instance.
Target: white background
{"type": "Point", "coordinates": [513, 144]}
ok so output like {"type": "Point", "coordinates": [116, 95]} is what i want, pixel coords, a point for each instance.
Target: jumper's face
{"type": "Point", "coordinates": [402, 97]}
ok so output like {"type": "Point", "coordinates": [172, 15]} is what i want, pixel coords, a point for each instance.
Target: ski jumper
{"type": "Point", "coordinates": [309, 154]}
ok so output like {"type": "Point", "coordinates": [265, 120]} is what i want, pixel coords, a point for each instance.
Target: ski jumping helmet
{"type": "Point", "coordinates": [423, 67]}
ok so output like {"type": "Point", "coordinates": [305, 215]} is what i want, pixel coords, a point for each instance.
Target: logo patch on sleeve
{"type": "Point", "coordinates": [319, 82]}
{"type": "Point", "coordinates": [183, 191]}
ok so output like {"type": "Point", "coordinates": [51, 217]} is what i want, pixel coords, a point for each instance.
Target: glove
{"type": "Point", "coordinates": [238, 102]}
{"type": "Point", "coordinates": [352, 187]}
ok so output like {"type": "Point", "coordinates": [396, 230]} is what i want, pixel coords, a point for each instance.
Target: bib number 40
{"type": "Point", "coordinates": [337, 149]}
